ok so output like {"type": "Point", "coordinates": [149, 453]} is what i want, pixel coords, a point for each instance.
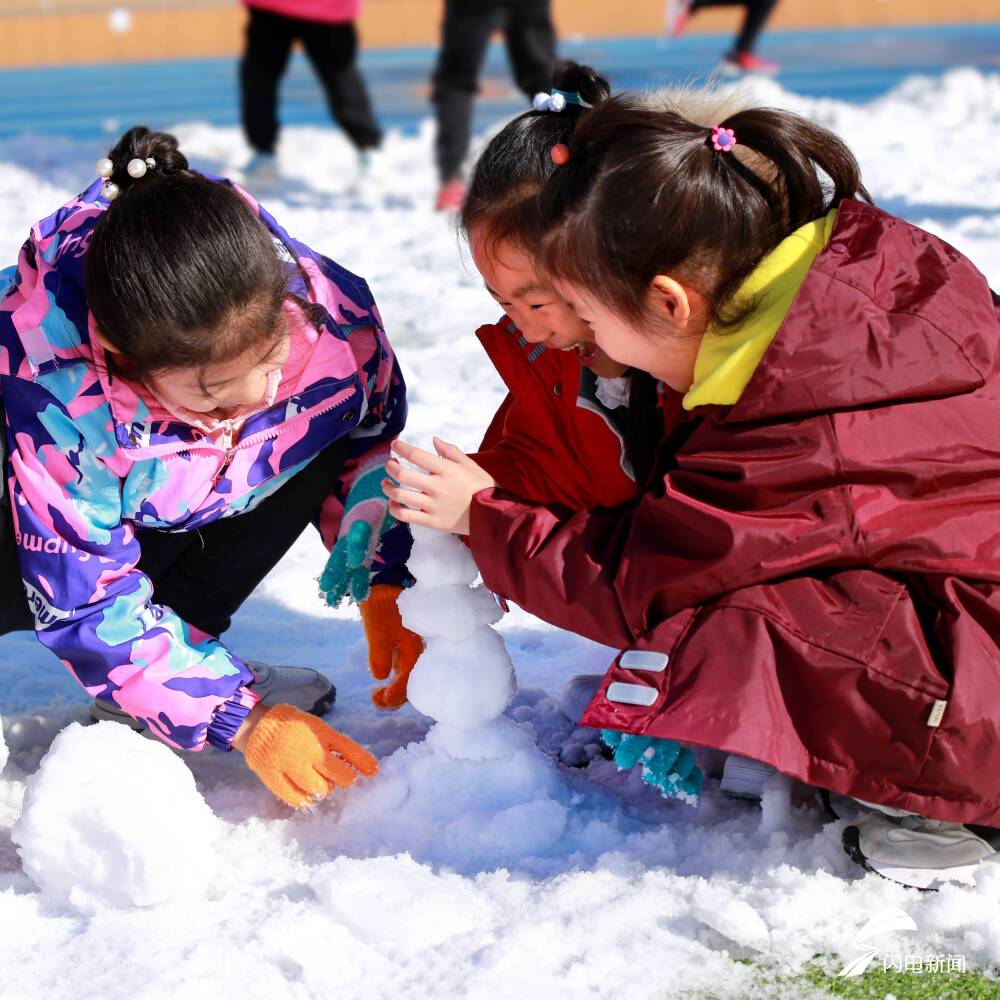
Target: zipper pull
{"type": "Point", "coordinates": [230, 451]}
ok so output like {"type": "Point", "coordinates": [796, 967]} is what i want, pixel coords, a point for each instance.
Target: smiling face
{"type": "Point", "coordinates": [535, 307]}
{"type": "Point", "coordinates": [225, 389]}
{"type": "Point", "coordinates": [665, 345]}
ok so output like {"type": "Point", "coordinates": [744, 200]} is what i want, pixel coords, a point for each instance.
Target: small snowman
{"type": "Point", "coordinates": [465, 678]}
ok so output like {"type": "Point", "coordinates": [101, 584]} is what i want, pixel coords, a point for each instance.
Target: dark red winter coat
{"type": "Point", "coordinates": [551, 440]}
{"type": "Point", "coordinates": [820, 562]}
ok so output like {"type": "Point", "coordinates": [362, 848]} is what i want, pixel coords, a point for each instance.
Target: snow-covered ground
{"type": "Point", "coordinates": [503, 876]}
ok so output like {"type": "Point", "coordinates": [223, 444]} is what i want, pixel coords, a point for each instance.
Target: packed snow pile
{"type": "Point", "coordinates": [113, 819]}
{"type": "Point", "coordinates": [475, 864]}
{"type": "Point", "coordinates": [476, 792]}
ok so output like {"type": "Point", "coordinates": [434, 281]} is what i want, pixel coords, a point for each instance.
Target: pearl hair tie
{"type": "Point", "coordinates": [558, 100]}
{"type": "Point", "coordinates": [136, 169]}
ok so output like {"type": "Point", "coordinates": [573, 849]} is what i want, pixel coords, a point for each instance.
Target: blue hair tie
{"type": "Point", "coordinates": [557, 100]}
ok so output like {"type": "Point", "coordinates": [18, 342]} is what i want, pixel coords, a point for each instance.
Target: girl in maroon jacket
{"type": "Point", "coordinates": [829, 508]}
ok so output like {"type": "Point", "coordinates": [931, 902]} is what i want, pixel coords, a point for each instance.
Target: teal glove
{"type": "Point", "coordinates": [348, 571]}
{"type": "Point", "coordinates": [666, 764]}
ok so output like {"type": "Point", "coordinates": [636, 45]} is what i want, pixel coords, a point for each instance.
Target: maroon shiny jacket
{"type": "Point", "coordinates": [820, 562]}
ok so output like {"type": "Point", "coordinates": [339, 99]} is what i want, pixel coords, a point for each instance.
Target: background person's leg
{"type": "Point", "coordinates": [531, 45]}
{"type": "Point", "coordinates": [466, 32]}
{"type": "Point", "coordinates": [269, 39]}
{"type": "Point", "coordinates": [758, 11]}
{"type": "Point", "coordinates": [332, 49]}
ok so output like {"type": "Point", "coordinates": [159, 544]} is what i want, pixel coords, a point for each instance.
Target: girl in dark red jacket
{"type": "Point", "coordinates": [829, 507]}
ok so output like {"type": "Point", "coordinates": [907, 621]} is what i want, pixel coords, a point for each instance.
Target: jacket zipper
{"type": "Point", "coordinates": [254, 439]}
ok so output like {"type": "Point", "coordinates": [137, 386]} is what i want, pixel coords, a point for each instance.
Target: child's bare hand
{"type": "Point", "coordinates": [439, 497]}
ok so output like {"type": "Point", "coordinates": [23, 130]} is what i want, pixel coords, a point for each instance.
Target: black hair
{"type": "Point", "coordinates": [180, 271]}
{"type": "Point", "coordinates": [645, 193]}
{"type": "Point", "coordinates": [501, 205]}
{"type": "Point", "coordinates": [517, 161]}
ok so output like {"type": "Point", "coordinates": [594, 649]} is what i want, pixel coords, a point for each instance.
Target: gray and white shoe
{"type": "Point", "coordinates": [303, 687]}
{"type": "Point", "coordinates": [578, 694]}
{"type": "Point", "coordinates": [744, 778]}
{"type": "Point", "coordinates": [918, 852]}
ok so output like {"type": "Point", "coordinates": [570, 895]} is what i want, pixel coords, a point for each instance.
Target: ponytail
{"type": "Point", "coordinates": [645, 193]}
{"type": "Point", "coordinates": [517, 161]}
{"type": "Point", "coordinates": [180, 270]}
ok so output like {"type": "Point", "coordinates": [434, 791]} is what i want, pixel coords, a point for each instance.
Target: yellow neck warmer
{"type": "Point", "coordinates": [727, 359]}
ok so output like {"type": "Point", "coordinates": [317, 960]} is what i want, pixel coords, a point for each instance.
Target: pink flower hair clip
{"type": "Point", "coordinates": [723, 139]}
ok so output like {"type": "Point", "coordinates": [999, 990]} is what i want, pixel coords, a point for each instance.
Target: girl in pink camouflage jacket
{"type": "Point", "coordinates": [171, 361]}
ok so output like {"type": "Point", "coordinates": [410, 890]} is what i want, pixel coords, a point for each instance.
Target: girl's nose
{"type": "Point", "coordinates": [535, 333]}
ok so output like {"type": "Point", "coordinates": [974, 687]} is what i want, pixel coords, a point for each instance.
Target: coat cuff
{"type": "Point", "coordinates": [488, 538]}
{"type": "Point", "coordinates": [229, 717]}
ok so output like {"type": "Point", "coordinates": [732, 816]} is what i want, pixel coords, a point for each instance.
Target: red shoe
{"type": "Point", "coordinates": [737, 63]}
{"type": "Point", "coordinates": [451, 196]}
{"type": "Point", "coordinates": [678, 12]}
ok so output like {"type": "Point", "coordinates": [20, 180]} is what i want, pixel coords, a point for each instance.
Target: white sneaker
{"type": "Point", "coordinates": [373, 167]}
{"type": "Point", "coordinates": [303, 687]}
{"type": "Point", "coordinates": [578, 694]}
{"type": "Point", "coordinates": [918, 852]}
{"type": "Point", "coordinates": [744, 778]}
{"type": "Point", "coordinates": [261, 175]}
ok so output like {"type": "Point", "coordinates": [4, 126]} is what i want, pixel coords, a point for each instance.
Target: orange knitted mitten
{"type": "Point", "coordinates": [301, 759]}
{"type": "Point", "coordinates": [391, 645]}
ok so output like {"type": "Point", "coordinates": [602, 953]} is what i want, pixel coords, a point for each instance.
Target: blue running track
{"type": "Point", "coordinates": [91, 101]}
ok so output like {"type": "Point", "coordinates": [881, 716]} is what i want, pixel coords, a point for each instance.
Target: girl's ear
{"type": "Point", "coordinates": [670, 300]}
{"type": "Point", "coordinates": [104, 342]}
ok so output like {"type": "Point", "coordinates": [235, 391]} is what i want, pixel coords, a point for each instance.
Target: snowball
{"type": "Point", "coordinates": [463, 684]}
{"type": "Point", "coordinates": [113, 818]}
{"type": "Point", "coordinates": [451, 612]}
{"type": "Point", "coordinates": [439, 559]}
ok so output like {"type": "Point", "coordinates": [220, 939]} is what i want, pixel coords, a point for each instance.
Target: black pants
{"type": "Point", "coordinates": [331, 48]}
{"type": "Point", "coordinates": [757, 13]}
{"type": "Point", "coordinates": [205, 575]}
{"type": "Point", "coordinates": [468, 24]}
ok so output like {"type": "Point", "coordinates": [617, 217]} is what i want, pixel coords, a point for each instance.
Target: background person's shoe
{"type": "Point", "coordinates": [917, 852]}
{"type": "Point", "coordinates": [738, 63]}
{"type": "Point", "coordinates": [374, 173]}
{"type": "Point", "coordinates": [744, 778]}
{"type": "Point", "coordinates": [451, 196]}
{"type": "Point", "coordinates": [261, 173]}
{"type": "Point", "coordinates": [678, 12]}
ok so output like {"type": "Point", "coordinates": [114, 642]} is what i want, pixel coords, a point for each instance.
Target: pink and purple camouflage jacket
{"type": "Point", "coordinates": [91, 460]}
